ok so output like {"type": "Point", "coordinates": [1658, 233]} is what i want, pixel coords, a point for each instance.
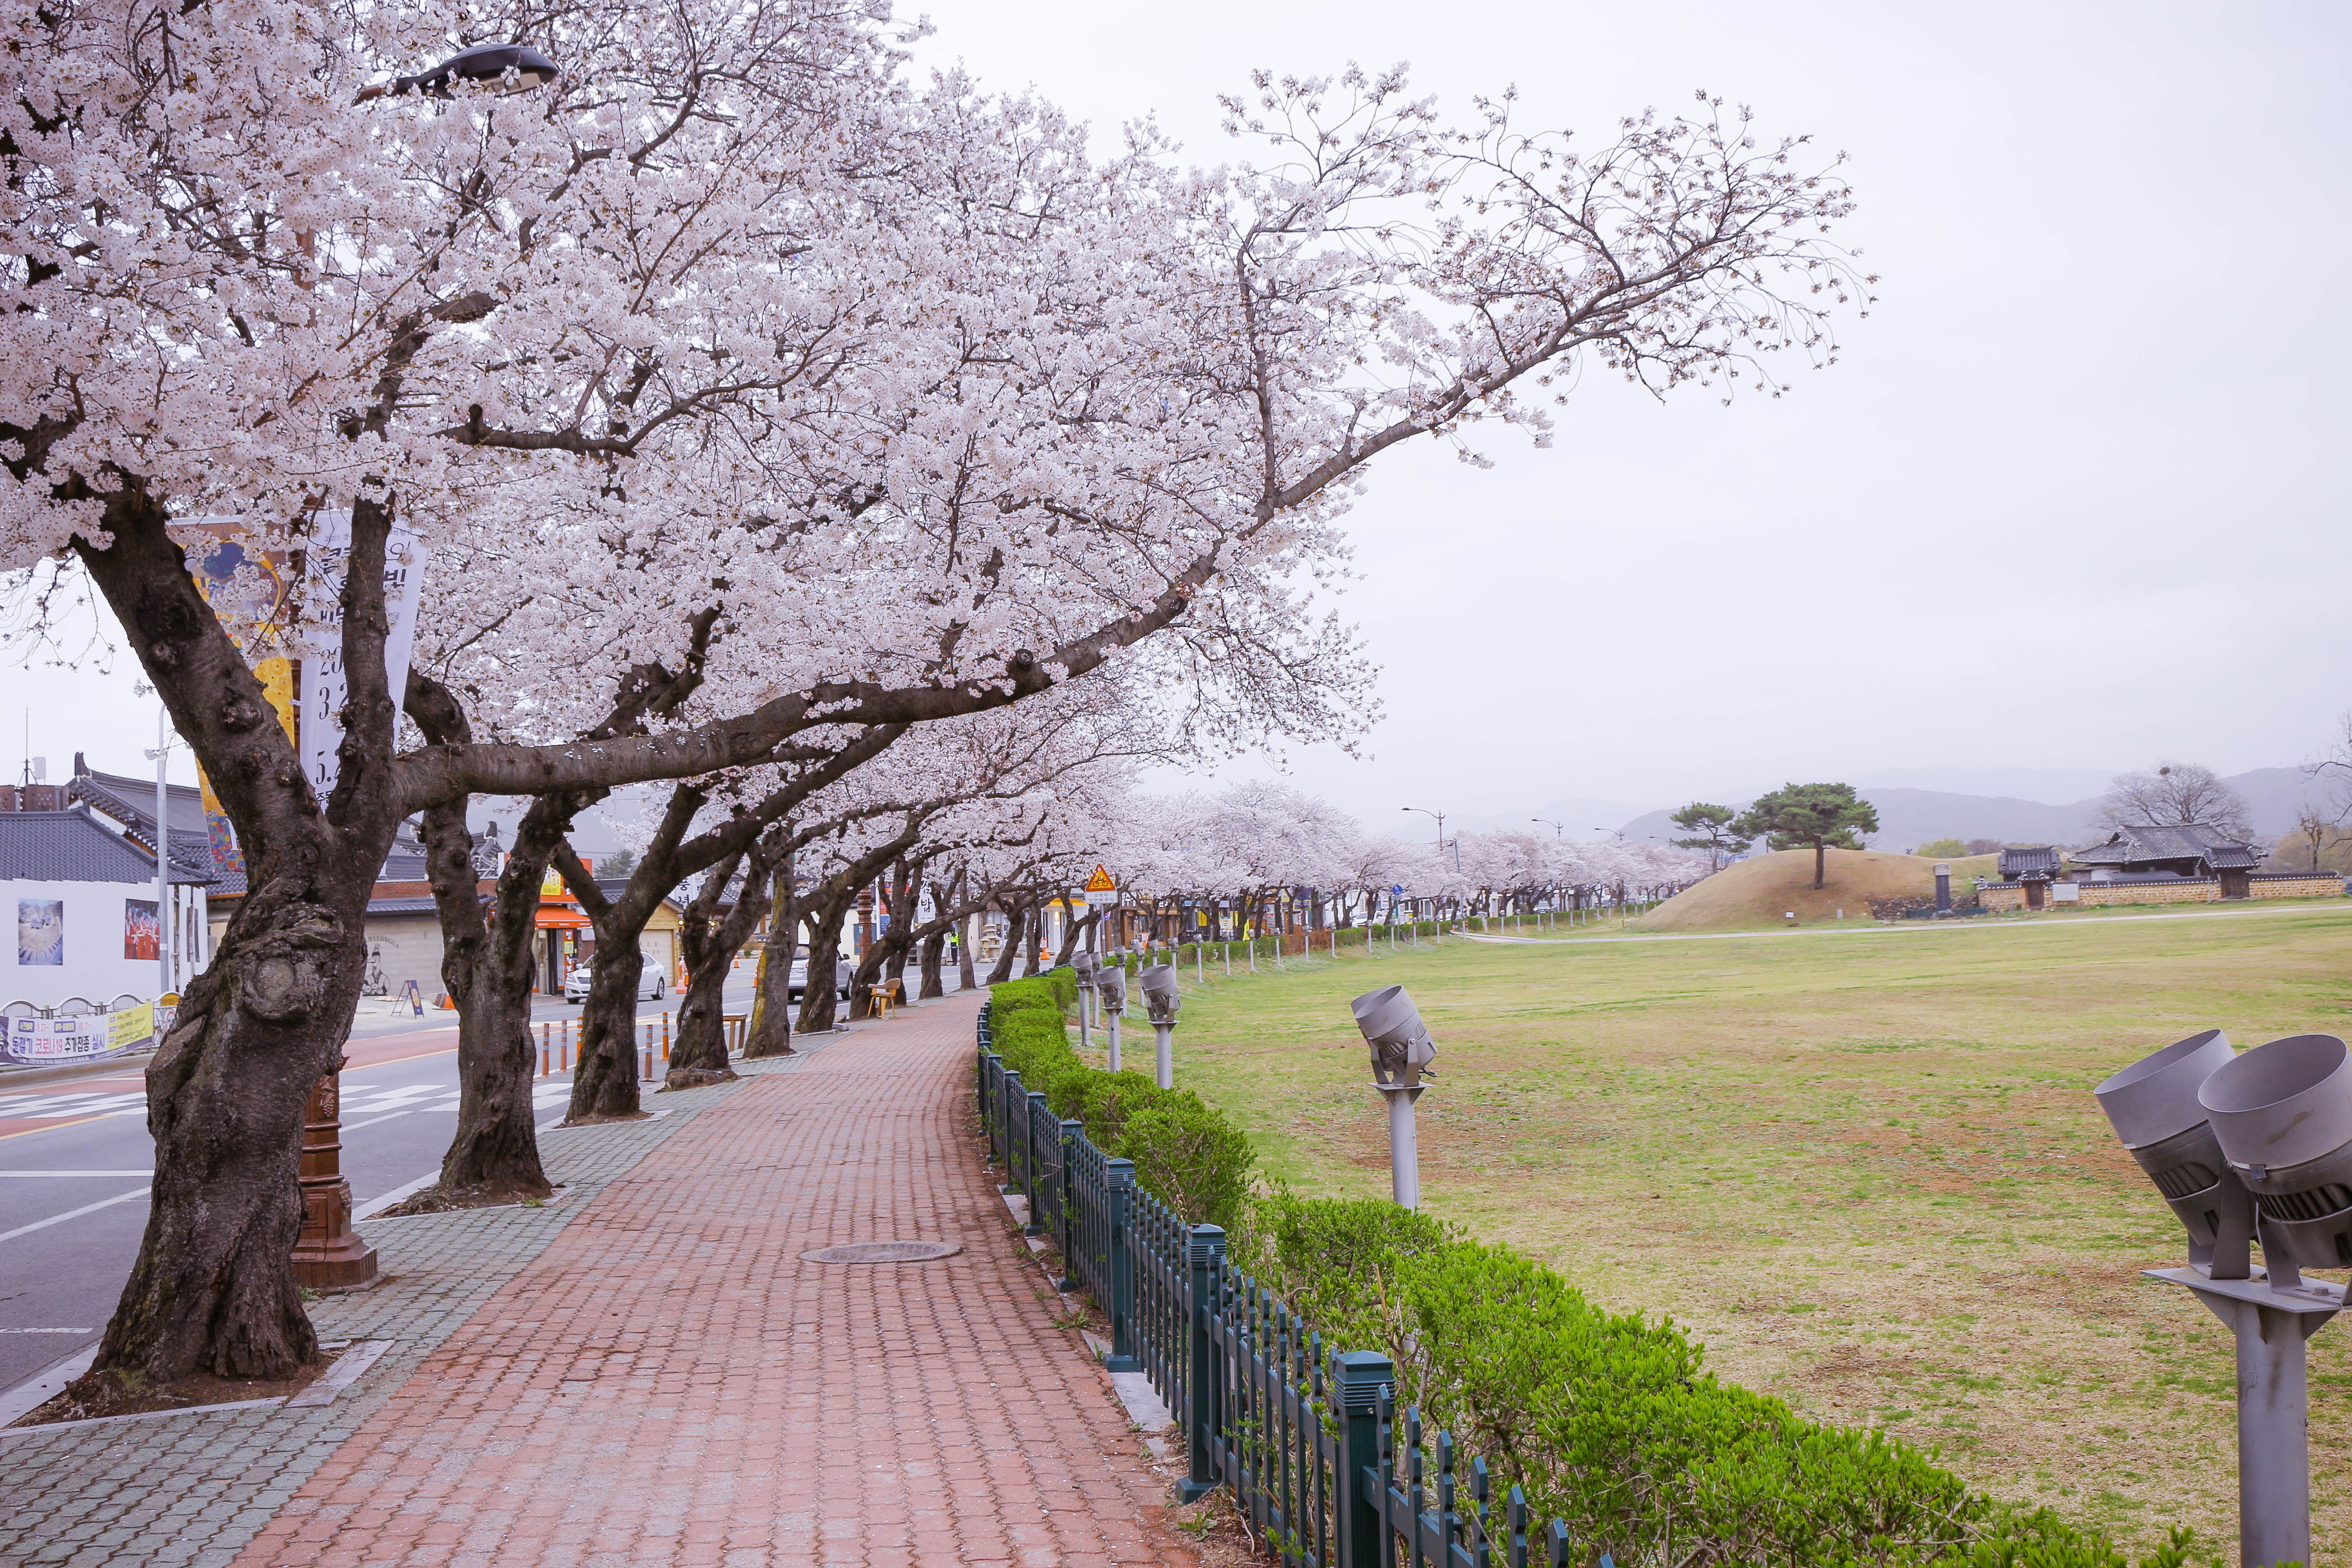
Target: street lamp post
{"type": "Point", "coordinates": [1441, 824]}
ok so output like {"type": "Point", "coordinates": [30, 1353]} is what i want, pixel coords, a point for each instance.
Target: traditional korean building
{"type": "Point", "coordinates": [2187, 851]}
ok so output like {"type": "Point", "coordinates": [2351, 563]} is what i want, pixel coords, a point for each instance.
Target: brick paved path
{"type": "Point", "coordinates": [670, 1383]}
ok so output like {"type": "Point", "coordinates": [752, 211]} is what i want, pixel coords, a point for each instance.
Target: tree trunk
{"type": "Point", "coordinates": [966, 958]}
{"type": "Point", "coordinates": [770, 1030]}
{"type": "Point", "coordinates": [494, 1156]}
{"type": "Point", "coordinates": [935, 948]}
{"type": "Point", "coordinates": [820, 1001]}
{"type": "Point", "coordinates": [212, 1288]}
{"type": "Point", "coordinates": [1821, 861]}
{"type": "Point", "coordinates": [1016, 924]}
{"type": "Point", "coordinates": [701, 1047]}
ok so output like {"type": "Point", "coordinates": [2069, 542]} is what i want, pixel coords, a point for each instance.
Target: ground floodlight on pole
{"type": "Point", "coordinates": [1110, 986]}
{"type": "Point", "coordinates": [2246, 1147]}
{"type": "Point", "coordinates": [1161, 1000]}
{"type": "Point", "coordinates": [1087, 966]}
{"type": "Point", "coordinates": [1401, 1052]}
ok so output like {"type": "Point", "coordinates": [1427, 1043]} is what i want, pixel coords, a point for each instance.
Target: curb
{"type": "Point", "coordinates": [112, 1067]}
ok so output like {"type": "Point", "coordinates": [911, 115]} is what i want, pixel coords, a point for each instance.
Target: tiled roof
{"type": "Point", "coordinates": [401, 907]}
{"type": "Point", "coordinates": [2144, 842]}
{"type": "Point", "coordinates": [68, 846]}
{"type": "Point", "coordinates": [2035, 860]}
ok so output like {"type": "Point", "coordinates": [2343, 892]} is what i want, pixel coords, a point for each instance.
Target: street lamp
{"type": "Point", "coordinates": [1402, 1054]}
{"type": "Point", "coordinates": [1547, 822]}
{"type": "Point", "coordinates": [482, 64]}
{"type": "Point", "coordinates": [1441, 824]}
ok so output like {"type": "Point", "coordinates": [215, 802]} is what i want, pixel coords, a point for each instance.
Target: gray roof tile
{"type": "Point", "coordinates": [68, 846]}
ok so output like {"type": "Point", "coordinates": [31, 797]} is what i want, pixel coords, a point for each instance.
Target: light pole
{"type": "Point", "coordinates": [1110, 989]}
{"type": "Point", "coordinates": [161, 754]}
{"type": "Point", "coordinates": [1556, 829]}
{"type": "Point", "coordinates": [1441, 824]}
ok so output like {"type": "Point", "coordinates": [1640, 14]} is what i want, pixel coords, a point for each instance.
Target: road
{"type": "Point", "coordinates": [75, 1161]}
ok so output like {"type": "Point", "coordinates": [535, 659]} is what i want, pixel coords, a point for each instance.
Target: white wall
{"type": "Point", "coordinates": [93, 968]}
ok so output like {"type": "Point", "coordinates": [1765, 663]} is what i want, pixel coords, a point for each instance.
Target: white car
{"type": "Point", "coordinates": [653, 982]}
{"type": "Point", "coordinates": [797, 982]}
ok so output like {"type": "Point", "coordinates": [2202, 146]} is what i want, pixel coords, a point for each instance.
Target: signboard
{"type": "Point", "coordinates": [926, 909]}
{"type": "Point", "coordinates": [416, 999]}
{"type": "Point", "coordinates": [326, 560]}
{"type": "Point", "coordinates": [81, 1037]}
{"type": "Point", "coordinates": [1100, 889]}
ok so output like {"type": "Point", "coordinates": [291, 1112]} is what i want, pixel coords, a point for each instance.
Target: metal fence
{"type": "Point", "coordinates": [1308, 1438]}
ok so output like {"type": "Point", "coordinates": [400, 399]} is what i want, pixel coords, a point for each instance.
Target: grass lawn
{"type": "Point", "coordinates": [1863, 1166]}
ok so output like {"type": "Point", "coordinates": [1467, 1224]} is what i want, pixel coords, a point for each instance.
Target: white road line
{"type": "Point", "coordinates": [355, 1126]}
{"type": "Point", "coordinates": [77, 1172]}
{"type": "Point", "coordinates": [71, 1214]}
{"type": "Point", "coordinates": [48, 1331]}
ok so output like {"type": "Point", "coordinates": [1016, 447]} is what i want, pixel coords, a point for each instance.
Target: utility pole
{"type": "Point", "coordinates": [1441, 824]}
{"type": "Point", "coordinates": [161, 753]}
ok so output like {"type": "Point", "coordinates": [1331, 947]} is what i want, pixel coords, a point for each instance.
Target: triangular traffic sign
{"type": "Point", "coordinates": [1100, 882]}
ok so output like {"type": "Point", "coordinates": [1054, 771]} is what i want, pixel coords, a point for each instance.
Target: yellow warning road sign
{"type": "Point", "coordinates": [1100, 889]}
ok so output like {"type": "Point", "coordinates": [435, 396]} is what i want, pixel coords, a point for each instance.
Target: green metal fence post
{"type": "Point", "coordinates": [1119, 1178]}
{"type": "Point", "coordinates": [1360, 1528]}
{"type": "Point", "coordinates": [1013, 1154]}
{"type": "Point", "coordinates": [1066, 1181]}
{"type": "Point", "coordinates": [1039, 1184]}
{"type": "Point", "coordinates": [1204, 1263]}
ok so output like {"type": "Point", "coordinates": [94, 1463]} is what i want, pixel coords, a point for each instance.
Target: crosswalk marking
{"type": "Point", "coordinates": [359, 1102]}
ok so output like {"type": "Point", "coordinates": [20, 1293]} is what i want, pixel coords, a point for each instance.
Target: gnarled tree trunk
{"type": "Point", "coordinates": [212, 1288]}
{"type": "Point", "coordinates": [820, 1000]}
{"type": "Point", "coordinates": [1015, 927]}
{"type": "Point", "coordinates": [770, 1032]}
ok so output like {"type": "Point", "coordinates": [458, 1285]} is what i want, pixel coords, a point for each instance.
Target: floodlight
{"type": "Point", "coordinates": [2263, 1143]}
{"type": "Point", "coordinates": [1401, 1053]}
{"type": "Point", "coordinates": [1087, 964]}
{"type": "Point", "coordinates": [1391, 1026]}
{"type": "Point", "coordinates": [2154, 1108]}
{"type": "Point", "coordinates": [1159, 996]}
{"type": "Point", "coordinates": [1158, 983]}
{"type": "Point", "coordinates": [2283, 1116]}
{"type": "Point", "coordinates": [1111, 981]}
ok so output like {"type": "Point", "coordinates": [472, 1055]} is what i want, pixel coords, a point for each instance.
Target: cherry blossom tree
{"type": "Point", "coordinates": [930, 413]}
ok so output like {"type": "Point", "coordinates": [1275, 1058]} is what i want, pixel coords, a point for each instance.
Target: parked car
{"type": "Point", "coordinates": [798, 982]}
{"type": "Point", "coordinates": [653, 982]}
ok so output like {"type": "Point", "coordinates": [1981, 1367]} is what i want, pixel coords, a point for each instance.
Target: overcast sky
{"type": "Point", "coordinates": [2073, 500]}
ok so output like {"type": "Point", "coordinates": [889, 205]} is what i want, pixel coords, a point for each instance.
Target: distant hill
{"type": "Point", "coordinates": [1908, 817]}
{"type": "Point", "coordinates": [1761, 889]}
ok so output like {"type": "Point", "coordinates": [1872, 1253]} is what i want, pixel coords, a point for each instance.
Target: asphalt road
{"type": "Point", "coordinates": [75, 1161]}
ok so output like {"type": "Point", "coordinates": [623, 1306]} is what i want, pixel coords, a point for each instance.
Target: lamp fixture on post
{"type": "Point", "coordinates": [1110, 989]}
{"type": "Point", "coordinates": [1159, 996]}
{"type": "Point", "coordinates": [1402, 1055]}
{"type": "Point", "coordinates": [2253, 1148]}
{"type": "Point", "coordinates": [1087, 964]}
{"type": "Point", "coordinates": [1441, 824]}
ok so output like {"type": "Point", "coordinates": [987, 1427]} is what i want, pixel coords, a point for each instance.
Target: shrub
{"type": "Point", "coordinates": [1186, 1152]}
{"type": "Point", "coordinates": [1612, 1424]}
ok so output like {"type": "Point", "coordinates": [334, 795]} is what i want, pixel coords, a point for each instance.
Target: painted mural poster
{"type": "Point", "coordinates": [139, 929]}
{"type": "Point", "coordinates": [41, 931]}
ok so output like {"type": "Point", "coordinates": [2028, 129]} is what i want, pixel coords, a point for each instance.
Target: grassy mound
{"type": "Point", "coordinates": [1759, 891]}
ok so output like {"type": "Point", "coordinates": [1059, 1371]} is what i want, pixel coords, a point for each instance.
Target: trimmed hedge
{"type": "Point", "coordinates": [1186, 1152]}
{"type": "Point", "coordinates": [1611, 1423]}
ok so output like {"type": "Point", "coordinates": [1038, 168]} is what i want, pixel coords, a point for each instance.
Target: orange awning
{"type": "Point", "coordinates": [555, 918]}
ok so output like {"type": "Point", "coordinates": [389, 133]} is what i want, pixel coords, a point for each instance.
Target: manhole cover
{"type": "Point", "coordinates": [884, 1252]}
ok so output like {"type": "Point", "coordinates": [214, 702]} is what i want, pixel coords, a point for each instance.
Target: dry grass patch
{"type": "Point", "coordinates": [1863, 1168]}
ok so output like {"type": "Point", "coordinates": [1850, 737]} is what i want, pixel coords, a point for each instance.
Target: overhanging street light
{"type": "Point", "coordinates": [482, 65]}
{"type": "Point", "coordinates": [1441, 824]}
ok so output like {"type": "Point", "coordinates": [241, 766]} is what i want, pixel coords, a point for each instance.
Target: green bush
{"type": "Point", "coordinates": [1612, 1424]}
{"type": "Point", "coordinates": [1186, 1152]}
